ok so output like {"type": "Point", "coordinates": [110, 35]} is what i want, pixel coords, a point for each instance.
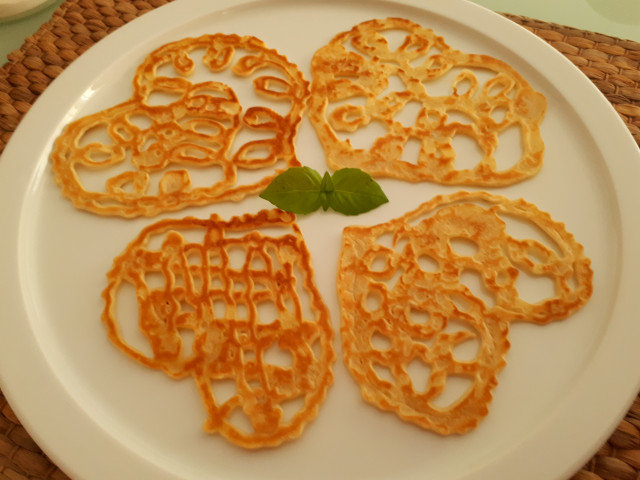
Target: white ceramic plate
{"type": "Point", "coordinates": [100, 415]}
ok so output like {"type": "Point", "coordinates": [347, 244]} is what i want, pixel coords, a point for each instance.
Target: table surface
{"type": "Point", "coordinates": [619, 458]}
{"type": "Point", "coordinates": [618, 18]}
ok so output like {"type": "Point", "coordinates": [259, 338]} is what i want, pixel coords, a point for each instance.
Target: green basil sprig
{"type": "Point", "coordinates": [302, 190]}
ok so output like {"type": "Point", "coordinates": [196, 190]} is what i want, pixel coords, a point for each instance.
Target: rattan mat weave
{"type": "Point", "coordinates": [611, 63]}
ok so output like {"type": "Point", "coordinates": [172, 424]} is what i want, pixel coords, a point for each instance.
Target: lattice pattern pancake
{"type": "Point", "coordinates": [353, 90]}
{"type": "Point", "coordinates": [216, 290]}
{"type": "Point", "coordinates": [403, 301]}
{"type": "Point", "coordinates": [175, 142]}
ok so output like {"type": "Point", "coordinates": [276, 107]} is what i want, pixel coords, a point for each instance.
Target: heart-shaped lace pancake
{"type": "Point", "coordinates": [235, 309]}
{"type": "Point", "coordinates": [391, 96]}
{"type": "Point", "coordinates": [408, 308]}
{"type": "Point", "coordinates": [176, 142]}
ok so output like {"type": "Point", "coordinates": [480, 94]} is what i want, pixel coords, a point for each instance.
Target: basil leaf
{"type": "Point", "coordinates": [326, 186]}
{"type": "Point", "coordinates": [295, 190]}
{"type": "Point", "coordinates": [355, 192]}
{"type": "Point", "coordinates": [302, 190]}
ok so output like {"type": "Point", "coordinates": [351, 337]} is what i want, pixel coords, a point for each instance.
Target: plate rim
{"type": "Point", "coordinates": [23, 395]}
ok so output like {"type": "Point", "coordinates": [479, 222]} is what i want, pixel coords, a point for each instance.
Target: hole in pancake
{"type": "Point", "coordinates": [291, 407]}
{"type": "Point", "coordinates": [303, 296]}
{"type": "Point", "coordinates": [401, 244]}
{"type": "Point", "coordinates": [223, 390]}
{"type": "Point", "coordinates": [351, 48]}
{"type": "Point", "coordinates": [237, 257]}
{"type": "Point", "coordinates": [463, 246]}
{"type": "Point", "coordinates": [428, 264]}
{"type": "Point", "coordinates": [457, 116]}
{"type": "Point", "coordinates": [194, 256]}
{"type": "Point", "coordinates": [257, 262]}
{"type": "Point", "coordinates": [365, 136]}
{"type": "Point", "coordinates": [498, 114]}
{"type": "Point", "coordinates": [274, 258]}
{"type": "Point", "coordinates": [187, 336]}
{"type": "Point", "coordinates": [271, 86]}
{"type": "Point", "coordinates": [411, 151]}
{"type": "Point", "coordinates": [96, 134]}
{"type": "Point", "coordinates": [274, 355]}
{"type": "Point", "coordinates": [386, 240]}
{"type": "Point", "coordinates": [155, 280]}
{"type": "Point", "coordinates": [140, 120]}
{"type": "Point", "coordinates": [97, 156]}
{"type": "Point", "coordinates": [380, 341]}
{"type": "Point", "coordinates": [186, 307]}
{"type": "Point", "coordinates": [443, 84]}
{"type": "Point", "coordinates": [244, 88]}
{"type": "Point", "coordinates": [394, 84]}
{"type": "Point", "coordinates": [520, 229]}
{"type": "Point", "coordinates": [246, 176]}
{"type": "Point", "coordinates": [456, 388]}
{"type": "Point", "coordinates": [178, 280]}
{"type": "Point", "coordinates": [509, 150]}
{"type": "Point", "coordinates": [219, 308]}
{"type": "Point", "coordinates": [419, 372]}
{"type": "Point", "coordinates": [157, 98]}
{"type": "Point", "coordinates": [419, 317]}
{"type": "Point", "coordinates": [373, 301]}
{"type": "Point", "coordinates": [238, 285]}
{"type": "Point", "coordinates": [209, 129]}
{"type": "Point", "coordinates": [267, 312]}
{"type": "Point", "coordinates": [242, 311]}
{"type": "Point", "coordinates": [192, 235]}
{"type": "Point", "coordinates": [409, 113]}
{"type": "Point", "coordinates": [499, 85]}
{"type": "Point", "coordinates": [239, 420]}
{"type": "Point", "coordinates": [395, 38]}
{"type": "Point", "coordinates": [206, 177]}
{"type": "Point", "coordinates": [245, 135]}
{"type": "Point", "coordinates": [534, 288]}
{"type": "Point", "coordinates": [156, 239]}
{"type": "Point", "coordinates": [166, 69]}
{"type": "Point", "coordinates": [194, 153]}
{"type": "Point", "coordinates": [126, 314]}
{"type": "Point", "coordinates": [197, 283]}
{"type": "Point", "coordinates": [473, 281]}
{"type": "Point", "coordinates": [351, 110]}
{"type": "Point", "coordinates": [379, 263]}
{"type": "Point", "coordinates": [93, 178]}
{"type": "Point", "coordinates": [383, 373]}
{"type": "Point", "coordinates": [467, 150]}
{"type": "Point", "coordinates": [467, 350]}
{"type": "Point", "coordinates": [462, 87]}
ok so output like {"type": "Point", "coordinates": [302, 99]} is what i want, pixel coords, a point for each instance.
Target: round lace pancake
{"type": "Point", "coordinates": [354, 91]}
{"type": "Point", "coordinates": [174, 143]}
{"type": "Point", "coordinates": [248, 302]}
{"type": "Point", "coordinates": [404, 303]}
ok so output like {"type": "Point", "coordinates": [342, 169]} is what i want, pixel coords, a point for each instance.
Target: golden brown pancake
{"type": "Point", "coordinates": [352, 90]}
{"type": "Point", "coordinates": [173, 143]}
{"type": "Point", "coordinates": [248, 301]}
{"type": "Point", "coordinates": [403, 301]}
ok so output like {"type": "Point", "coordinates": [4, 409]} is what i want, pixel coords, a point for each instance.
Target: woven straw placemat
{"type": "Point", "coordinates": [611, 63]}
